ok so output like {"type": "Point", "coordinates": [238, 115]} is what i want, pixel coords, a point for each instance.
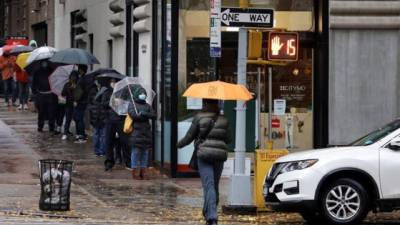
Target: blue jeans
{"type": "Point", "coordinates": [139, 158]}
{"type": "Point", "coordinates": [99, 137]}
{"type": "Point", "coordinates": [23, 93]}
{"type": "Point", "coordinates": [210, 173]}
{"type": "Point", "coordinates": [15, 92]}
{"type": "Point", "coordinates": [8, 89]}
{"type": "Point", "coordinates": [79, 118]}
{"type": "Point", "coordinates": [69, 111]}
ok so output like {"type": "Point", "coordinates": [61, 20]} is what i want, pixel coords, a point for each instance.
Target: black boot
{"type": "Point", "coordinates": [212, 222]}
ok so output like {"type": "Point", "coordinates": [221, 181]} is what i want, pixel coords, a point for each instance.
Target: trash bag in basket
{"type": "Point", "coordinates": [55, 182]}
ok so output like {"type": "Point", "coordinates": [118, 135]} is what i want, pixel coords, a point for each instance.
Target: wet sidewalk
{"type": "Point", "coordinates": [100, 197]}
{"type": "Point", "coordinates": [96, 195]}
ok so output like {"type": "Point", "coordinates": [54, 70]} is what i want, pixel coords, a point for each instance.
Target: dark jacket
{"type": "Point", "coordinates": [81, 92]}
{"type": "Point", "coordinates": [218, 137]}
{"type": "Point", "coordinates": [68, 93]}
{"type": "Point", "coordinates": [141, 136]}
{"type": "Point", "coordinates": [97, 110]}
{"type": "Point", "coordinates": [112, 116]}
{"type": "Point", "coordinates": [40, 81]}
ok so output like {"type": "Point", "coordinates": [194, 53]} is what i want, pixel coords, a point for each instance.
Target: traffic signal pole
{"type": "Point", "coordinates": [240, 187]}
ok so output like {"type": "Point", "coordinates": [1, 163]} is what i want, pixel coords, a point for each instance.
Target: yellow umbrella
{"type": "Point", "coordinates": [218, 90]}
{"type": "Point", "coordinates": [21, 59]}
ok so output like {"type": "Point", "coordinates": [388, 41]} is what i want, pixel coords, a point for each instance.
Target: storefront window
{"type": "Point", "coordinates": [292, 82]}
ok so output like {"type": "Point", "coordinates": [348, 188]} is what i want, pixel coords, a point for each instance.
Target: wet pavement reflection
{"type": "Point", "coordinates": [114, 196]}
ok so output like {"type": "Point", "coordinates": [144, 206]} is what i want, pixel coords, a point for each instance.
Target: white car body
{"type": "Point", "coordinates": [376, 162]}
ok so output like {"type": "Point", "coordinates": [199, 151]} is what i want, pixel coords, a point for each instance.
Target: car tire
{"type": "Point", "coordinates": [344, 202]}
{"type": "Point", "coordinates": [312, 218]}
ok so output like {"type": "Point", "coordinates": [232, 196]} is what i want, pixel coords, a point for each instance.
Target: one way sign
{"type": "Point", "coordinates": [250, 17]}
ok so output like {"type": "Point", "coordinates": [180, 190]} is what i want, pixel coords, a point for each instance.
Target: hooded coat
{"type": "Point", "coordinates": [141, 136]}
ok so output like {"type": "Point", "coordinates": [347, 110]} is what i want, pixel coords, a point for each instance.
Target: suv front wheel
{"type": "Point", "coordinates": [344, 202]}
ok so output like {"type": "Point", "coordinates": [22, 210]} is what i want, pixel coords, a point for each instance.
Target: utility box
{"type": "Point", "coordinates": [263, 163]}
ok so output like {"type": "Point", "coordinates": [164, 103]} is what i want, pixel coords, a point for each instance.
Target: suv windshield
{"type": "Point", "coordinates": [377, 134]}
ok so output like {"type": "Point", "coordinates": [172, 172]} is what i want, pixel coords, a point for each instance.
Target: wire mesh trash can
{"type": "Point", "coordinates": [55, 183]}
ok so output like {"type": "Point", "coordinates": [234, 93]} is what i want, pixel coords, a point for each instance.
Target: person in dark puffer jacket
{"type": "Point", "coordinates": [218, 137]}
{"type": "Point", "coordinates": [98, 115]}
{"type": "Point", "coordinates": [141, 139]}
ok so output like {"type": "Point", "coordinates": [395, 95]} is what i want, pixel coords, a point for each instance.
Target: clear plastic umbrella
{"type": "Point", "coordinates": [122, 95]}
{"type": "Point", "coordinates": [59, 78]}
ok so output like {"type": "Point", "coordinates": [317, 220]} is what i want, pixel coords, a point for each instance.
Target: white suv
{"type": "Point", "coordinates": [339, 185]}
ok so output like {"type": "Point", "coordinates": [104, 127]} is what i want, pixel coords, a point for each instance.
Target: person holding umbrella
{"type": "Point", "coordinates": [210, 133]}
{"type": "Point", "coordinates": [68, 94]}
{"type": "Point", "coordinates": [21, 77]}
{"type": "Point", "coordinates": [46, 101]}
{"type": "Point", "coordinates": [141, 138]}
{"type": "Point", "coordinates": [22, 82]}
{"type": "Point", "coordinates": [97, 115]}
{"type": "Point", "coordinates": [7, 70]}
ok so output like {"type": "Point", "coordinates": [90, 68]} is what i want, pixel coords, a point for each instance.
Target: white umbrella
{"type": "Point", "coordinates": [59, 78]}
{"type": "Point", "coordinates": [41, 53]}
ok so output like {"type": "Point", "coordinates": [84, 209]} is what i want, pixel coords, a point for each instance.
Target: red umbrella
{"type": "Point", "coordinates": [8, 48]}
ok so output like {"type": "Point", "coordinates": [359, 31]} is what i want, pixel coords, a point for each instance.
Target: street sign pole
{"type": "Point", "coordinates": [270, 103]}
{"type": "Point", "coordinates": [240, 187]}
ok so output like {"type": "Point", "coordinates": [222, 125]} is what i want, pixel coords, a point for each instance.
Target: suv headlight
{"type": "Point", "coordinates": [297, 165]}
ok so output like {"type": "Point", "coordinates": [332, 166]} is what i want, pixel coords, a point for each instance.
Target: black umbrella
{"type": "Point", "coordinates": [35, 65]}
{"type": "Point", "coordinates": [112, 75]}
{"type": "Point", "coordinates": [21, 49]}
{"type": "Point", "coordinates": [90, 77]}
{"type": "Point", "coordinates": [74, 56]}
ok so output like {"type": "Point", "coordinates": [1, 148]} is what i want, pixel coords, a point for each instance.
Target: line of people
{"type": "Point", "coordinates": [81, 97]}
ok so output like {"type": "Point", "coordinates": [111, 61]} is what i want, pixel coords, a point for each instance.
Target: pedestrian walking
{"type": "Point", "coordinates": [68, 94]}
{"type": "Point", "coordinates": [114, 134]}
{"type": "Point", "coordinates": [22, 82]}
{"type": "Point", "coordinates": [45, 100]}
{"type": "Point", "coordinates": [7, 71]}
{"type": "Point", "coordinates": [97, 115]}
{"type": "Point", "coordinates": [80, 104]}
{"type": "Point", "coordinates": [141, 139]}
{"type": "Point", "coordinates": [210, 133]}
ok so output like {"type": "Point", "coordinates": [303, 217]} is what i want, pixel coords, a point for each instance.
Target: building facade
{"type": "Point", "coordinates": [41, 21]}
{"type": "Point", "coordinates": [95, 25]}
{"type": "Point", "coordinates": [29, 18]}
{"type": "Point", "coordinates": [364, 67]}
{"type": "Point", "coordinates": [15, 21]}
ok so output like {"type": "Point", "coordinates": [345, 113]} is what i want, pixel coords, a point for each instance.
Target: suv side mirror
{"type": "Point", "coordinates": [394, 145]}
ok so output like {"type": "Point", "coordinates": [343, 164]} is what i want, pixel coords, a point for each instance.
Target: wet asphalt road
{"type": "Point", "coordinates": [100, 197]}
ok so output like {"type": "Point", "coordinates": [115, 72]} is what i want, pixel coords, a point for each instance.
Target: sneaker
{"type": "Point", "coordinates": [64, 137]}
{"type": "Point", "coordinates": [25, 107]}
{"type": "Point", "coordinates": [80, 141]}
{"type": "Point", "coordinates": [20, 107]}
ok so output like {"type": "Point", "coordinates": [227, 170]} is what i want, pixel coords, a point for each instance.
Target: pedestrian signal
{"type": "Point", "coordinates": [283, 46]}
